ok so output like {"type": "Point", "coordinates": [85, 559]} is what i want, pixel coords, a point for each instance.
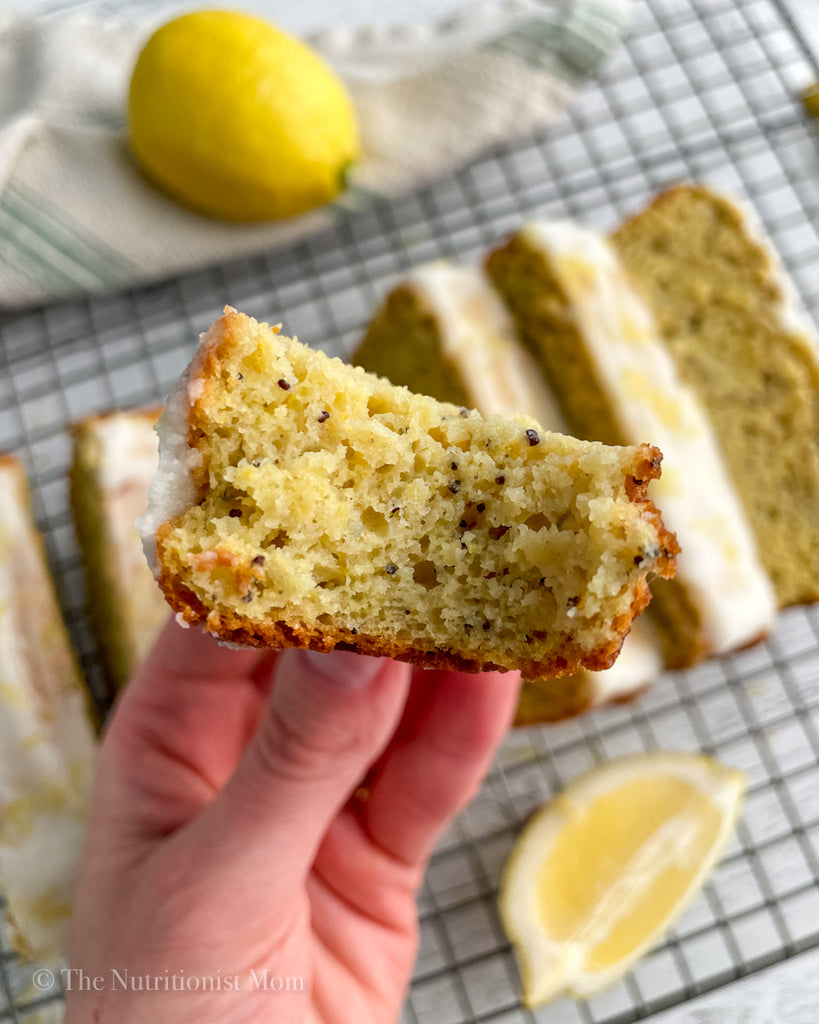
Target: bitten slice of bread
{"type": "Point", "coordinates": [303, 502]}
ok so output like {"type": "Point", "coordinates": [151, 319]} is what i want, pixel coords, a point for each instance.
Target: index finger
{"type": "Point", "coordinates": [438, 760]}
{"type": "Point", "coordinates": [191, 653]}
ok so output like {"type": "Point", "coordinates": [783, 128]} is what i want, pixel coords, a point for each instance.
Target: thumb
{"type": "Point", "coordinates": [328, 718]}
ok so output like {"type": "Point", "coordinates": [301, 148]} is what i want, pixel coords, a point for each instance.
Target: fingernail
{"type": "Point", "coordinates": [344, 668]}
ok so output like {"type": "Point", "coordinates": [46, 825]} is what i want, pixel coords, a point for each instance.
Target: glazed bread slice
{"type": "Point", "coordinates": [115, 459]}
{"type": "Point", "coordinates": [600, 349]}
{"type": "Point", "coordinates": [727, 312]}
{"type": "Point", "coordinates": [446, 329]}
{"type": "Point", "coordinates": [443, 331]}
{"type": "Point", "coordinates": [47, 742]}
{"type": "Point", "coordinates": [303, 502]}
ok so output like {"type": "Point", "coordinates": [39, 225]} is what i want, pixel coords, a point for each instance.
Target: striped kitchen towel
{"type": "Point", "coordinates": [76, 216]}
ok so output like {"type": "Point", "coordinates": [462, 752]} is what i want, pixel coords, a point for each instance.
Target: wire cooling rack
{"type": "Point", "coordinates": [704, 89]}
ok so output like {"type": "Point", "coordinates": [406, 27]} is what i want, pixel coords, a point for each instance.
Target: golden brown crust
{"type": "Point", "coordinates": [403, 344]}
{"type": "Point", "coordinates": [663, 198]}
{"type": "Point", "coordinates": [206, 368]}
{"type": "Point", "coordinates": [569, 697]}
{"type": "Point", "coordinates": [79, 427]}
{"type": "Point", "coordinates": [637, 492]}
{"type": "Point", "coordinates": [10, 461]}
{"type": "Point", "coordinates": [277, 635]}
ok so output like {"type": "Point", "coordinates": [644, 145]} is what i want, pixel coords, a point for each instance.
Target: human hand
{"type": "Point", "coordinates": [232, 843]}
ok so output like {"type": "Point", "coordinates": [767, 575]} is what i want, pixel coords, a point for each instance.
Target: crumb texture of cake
{"type": "Point", "coordinates": [115, 458]}
{"type": "Point", "coordinates": [46, 737]}
{"type": "Point", "coordinates": [471, 339]}
{"type": "Point", "coordinates": [599, 346]}
{"type": "Point", "coordinates": [324, 506]}
{"type": "Point", "coordinates": [726, 311]}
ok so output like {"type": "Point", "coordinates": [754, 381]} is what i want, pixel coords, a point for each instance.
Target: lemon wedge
{"type": "Point", "coordinates": [603, 869]}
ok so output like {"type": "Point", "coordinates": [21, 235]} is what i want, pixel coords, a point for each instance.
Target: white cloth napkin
{"type": "Point", "coordinates": [76, 216]}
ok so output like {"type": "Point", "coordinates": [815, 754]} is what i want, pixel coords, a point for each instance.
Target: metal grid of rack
{"type": "Point", "coordinates": [704, 89]}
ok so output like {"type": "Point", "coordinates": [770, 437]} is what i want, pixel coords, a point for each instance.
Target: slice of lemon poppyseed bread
{"type": "Point", "coordinates": [303, 502]}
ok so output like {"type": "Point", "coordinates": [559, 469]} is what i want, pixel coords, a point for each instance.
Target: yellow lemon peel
{"type": "Point", "coordinates": [235, 119]}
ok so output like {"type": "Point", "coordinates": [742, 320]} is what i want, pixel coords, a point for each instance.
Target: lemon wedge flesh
{"type": "Point", "coordinates": [235, 119]}
{"type": "Point", "coordinates": [603, 869]}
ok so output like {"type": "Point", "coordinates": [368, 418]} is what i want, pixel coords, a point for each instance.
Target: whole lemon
{"type": "Point", "coordinates": [235, 119]}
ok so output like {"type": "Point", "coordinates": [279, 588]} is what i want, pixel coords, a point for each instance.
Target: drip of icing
{"type": "Point", "coordinates": [173, 488]}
